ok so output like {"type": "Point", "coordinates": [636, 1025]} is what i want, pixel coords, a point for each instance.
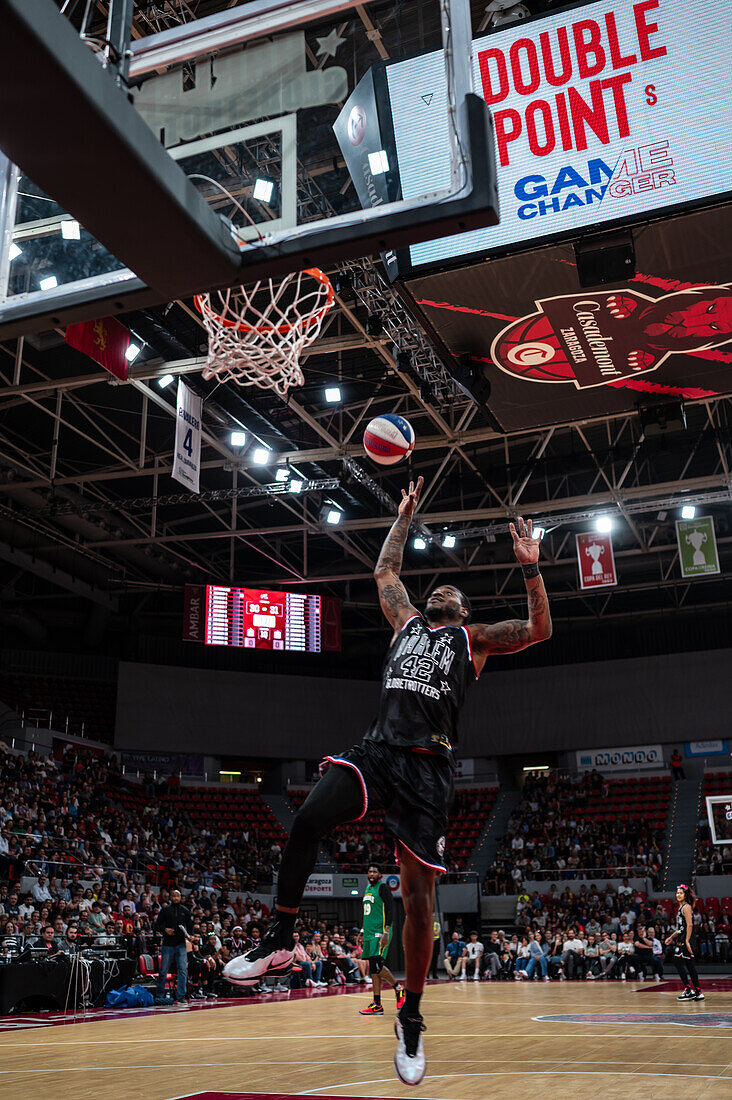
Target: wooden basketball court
{"type": "Point", "coordinates": [482, 1040]}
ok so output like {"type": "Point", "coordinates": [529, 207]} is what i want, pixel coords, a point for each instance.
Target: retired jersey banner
{"type": "Point", "coordinates": [697, 547]}
{"type": "Point", "coordinates": [105, 341]}
{"type": "Point", "coordinates": [596, 561]}
{"type": "Point", "coordinates": [187, 459]}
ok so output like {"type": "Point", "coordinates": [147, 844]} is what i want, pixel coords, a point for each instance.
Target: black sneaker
{"type": "Point", "coordinates": [687, 995]}
{"type": "Point", "coordinates": [409, 1060]}
{"type": "Point", "coordinates": [698, 995]}
{"type": "Point", "coordinates": [274, 956]}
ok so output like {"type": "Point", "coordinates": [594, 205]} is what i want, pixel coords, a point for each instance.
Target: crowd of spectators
{"type": "Point", "coordinates": [93, 868]}
{"type": "Point", "coordinates": [588, 935]}
{"type": "Point", "coordinates": [547, 839]}
{"type": "Point", "coordinates": [712, 859]}
{"type": "Point", "coordinates": [60, 815]}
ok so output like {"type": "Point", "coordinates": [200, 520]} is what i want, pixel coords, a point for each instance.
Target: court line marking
{"type": "Point", "coordinates": [517, 1073]}
{"type": "Point", "coordinates": [380, 1061]}
{"type": "Point", "coordinates": [699, 1034]}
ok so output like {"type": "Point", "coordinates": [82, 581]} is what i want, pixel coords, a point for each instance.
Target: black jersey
{"type": "Point", "coordinates": [681, 924]}
{"type": "Point", "coordinates": [426, 674]}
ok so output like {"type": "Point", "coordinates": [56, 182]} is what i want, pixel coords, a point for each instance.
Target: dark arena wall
{"type": "Point", "coordinates": [593, 705]}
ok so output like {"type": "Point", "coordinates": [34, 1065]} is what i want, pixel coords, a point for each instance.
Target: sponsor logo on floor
{"type": "Point", "coordinates": [698, 1019]}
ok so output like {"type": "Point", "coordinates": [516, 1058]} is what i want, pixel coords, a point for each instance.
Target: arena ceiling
{"type": "Point", "coordinates": [94, 531]}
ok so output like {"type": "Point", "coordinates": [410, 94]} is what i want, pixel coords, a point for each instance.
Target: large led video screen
{"type": "Point", "coordinates": [602, 113]}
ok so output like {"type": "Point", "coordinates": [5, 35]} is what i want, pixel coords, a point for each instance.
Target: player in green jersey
{"type": "Point", "coordinates": [376, 931]}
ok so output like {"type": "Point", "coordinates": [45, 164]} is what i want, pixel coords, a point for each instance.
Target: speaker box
{"type": "Point", "coordinates": [605, 258]}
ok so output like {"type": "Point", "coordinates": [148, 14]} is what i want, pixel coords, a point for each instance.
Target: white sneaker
{"type": "Point", "coordinates": [476, 978]}
{"type": "Point", "coordinates": [517, 975]}
{"type": "Point", "coordinates": [545, 978]}
{"type": "Point", "coordinates": [310, 983]}
{"type": "Point", "coordinates": [658, 977]}
{"type": "Point", "coordinates": [409, 1060]}
{"type": "Point", "coordinates": [463, 978]}
{"type": "Point", "coordinates": [280, 988]}
{"type": "Point", "coordinates": [622, 977]}
{"type": "Point", "coordinates": [268, 958]}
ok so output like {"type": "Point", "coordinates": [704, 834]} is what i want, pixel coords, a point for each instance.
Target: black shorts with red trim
{"type": "Point", "coordinates": [415, 789]}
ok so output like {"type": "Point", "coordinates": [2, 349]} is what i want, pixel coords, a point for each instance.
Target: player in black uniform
{"type": "Point", "coordinates": [683, 940]}
{"type": "Point", "coordinates": [404, 763]}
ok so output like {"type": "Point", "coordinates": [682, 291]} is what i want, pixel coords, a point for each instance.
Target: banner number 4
{"type": "Point", "coordinates": [187, 444]}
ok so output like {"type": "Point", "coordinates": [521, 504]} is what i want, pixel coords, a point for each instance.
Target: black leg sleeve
{"type": "Point", "coordinates": [683, 972]}
{"type": "Point", "coordinates": [693, 974]}
{"type": "Point", "coordinates": [335, 799]}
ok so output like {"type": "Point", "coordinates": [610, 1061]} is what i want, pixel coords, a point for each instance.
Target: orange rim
{"type": "Point", "coordinates": [304, 322]}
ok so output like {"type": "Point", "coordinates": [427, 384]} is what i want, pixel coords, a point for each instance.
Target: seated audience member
{"type": "Point", "coordinates": [474, 957]}
{"type": "Point", "coordinates": [645, 959]}
{"type": "Point", "coordinates": [592, 958]}
{"type": "Point", "coordinates": [236, 944]}
{"type": "Point", "coordinates": [537, 957]}
{"type": "Point", "coordinates": [626, 951]}
{"type": "Point", "coordinates": [657, 947]}
{"type": "Point", "coordinates": [607, 955]}
{"type": "Point", "coordinates": [555, 954]}
{"type": "Point", "coordinates": [455, 957]}
{"type": "Point", "coordinates": [46, 942]}
{"type": "Point", "coordinates": [202, 970]}
{"type": "Point", "coordinates": [573, 952]}
{"type": "Point", "coordinates": [69, 945]}
{"type": "Point", "coordinates": [492, 957]}
{"type": "Point", "coordinates": [523, 955]}
{"type": "Point", "coordinates": [303, 976]}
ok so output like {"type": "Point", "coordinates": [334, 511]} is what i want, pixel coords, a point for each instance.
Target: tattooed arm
{"type": "Point", "coordinates": [515, 634]}
{"type": "Point", "coordinates": [392, 594]}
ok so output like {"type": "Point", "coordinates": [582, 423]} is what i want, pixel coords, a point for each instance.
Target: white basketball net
{"type": "Point", "coordinates": [257, 334]}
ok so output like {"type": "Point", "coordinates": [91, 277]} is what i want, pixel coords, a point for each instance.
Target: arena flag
{"type": "Point", "coordinates": [105, 341]}
{"type": "Point", "coordinates": [697, 547]}
{"type": "Point", "coordinates": [596, 561]}
{"type": "Point", "coordinates": [187, 460]}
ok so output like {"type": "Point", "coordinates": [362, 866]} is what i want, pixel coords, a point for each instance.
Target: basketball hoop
{"type": "Point", "coordinates": [257, 334]}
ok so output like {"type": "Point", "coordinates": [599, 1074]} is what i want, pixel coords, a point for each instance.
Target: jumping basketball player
{"type": "Point", "coordinates": [683, 939]}
{"type": "Point", "coordinates": [405, 763]}
{"type": "Point", "coordinates": [377, 918]}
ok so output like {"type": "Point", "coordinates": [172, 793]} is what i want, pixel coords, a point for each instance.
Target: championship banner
{"type": "Point", "coordinates": [105, 341]}
{"type": "Point", "coordinates": [187, 459]}
{"type": "Point", "coordinates": [697, 547]}
{"type": "Point", "coordinates": [595, 560]}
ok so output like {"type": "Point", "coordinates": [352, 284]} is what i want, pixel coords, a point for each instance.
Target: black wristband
{"type": "Point", "coordinates": [530, 571]}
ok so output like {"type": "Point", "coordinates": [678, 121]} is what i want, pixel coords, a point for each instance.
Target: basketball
{"type": "Point", "coordinates": [388, 439]}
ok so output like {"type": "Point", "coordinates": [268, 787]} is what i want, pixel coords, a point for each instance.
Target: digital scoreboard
{"type": "Point", "coordinates": [258, 618]}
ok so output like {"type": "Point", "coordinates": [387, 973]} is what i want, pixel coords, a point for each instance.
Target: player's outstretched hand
{"type": "Point", "coordinates": [410, 499]}
{"type": "Point", "coordinates": [525, 546]}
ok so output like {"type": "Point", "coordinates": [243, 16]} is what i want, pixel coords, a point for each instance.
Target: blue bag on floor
{"type": "Point", "coordinates": [130, 996]}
